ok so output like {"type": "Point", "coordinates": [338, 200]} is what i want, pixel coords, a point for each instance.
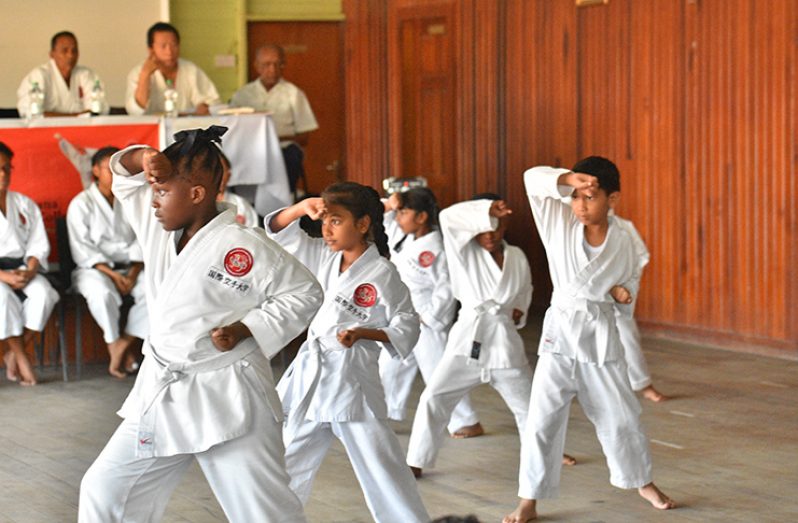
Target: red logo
{"type": "Point", "coordinates": [365, 295]}
{"type": "Point", "coordinates": [240, 218]}
{"type": "Point", "coordinates": [426, 258]}
{"type": "Point", "coordinates": [238, 262]}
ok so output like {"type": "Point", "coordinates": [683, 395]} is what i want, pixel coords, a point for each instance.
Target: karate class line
{"type": "Point", "coordinates": [682, 413]}
{"type": "Point", "coordinates": [774, 384]}
{"type": "Point", "coordinates": [666, 444]}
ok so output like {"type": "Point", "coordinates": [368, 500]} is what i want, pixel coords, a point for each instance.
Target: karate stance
{"type": "Point", "coordinates": [593, 268]}
{"type": "Point", "coordinates": [332, 388]}
{"type": "Point", "coordinates": [411, 223]}
{"type": "Point", "coordinates": [493, 282]}
{"type": "Point", "coordinates": [222, 299]}
{"type": "Point", "coordinates": [639, 377]}
{"type": "Point", "coordinates": [26, 297]}
{"type": "Point", "coordinates": [109, 264]}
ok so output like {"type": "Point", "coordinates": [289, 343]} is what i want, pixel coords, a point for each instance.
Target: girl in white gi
{"type": "Point", "coordinates": [245, 213]}
{"type": "Point", "coordinates": [109, 264]}
{"type": "Point", "coordinates": [492, 280]}
{"type": "Point", "coordinates": [333, 386]}
{"type": "Point", "coordinates": [593, 268]}
{"type": "Point", "coordinates": [222, 299]}
{"type": "Point", "coordinates": [639, 377]}
{"type": "Point", "coordinates": [411, 223]}
{"type": "Point", "coordinates": [26, 297]}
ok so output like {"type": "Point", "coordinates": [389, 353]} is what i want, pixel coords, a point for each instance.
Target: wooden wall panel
{"type": "Point", "coordinates": [695, 100]}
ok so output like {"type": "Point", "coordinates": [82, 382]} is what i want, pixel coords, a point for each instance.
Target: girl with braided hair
{"type": "Point", "coordinates": [333, 388]}
{"type": "Point", "coordinates": [222, 299]}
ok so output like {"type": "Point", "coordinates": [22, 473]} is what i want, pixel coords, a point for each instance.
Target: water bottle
{"type": "Point", "coordinates": [35, 102]}
{"type": "Point", "coordinates": [97, 98]}
{"type": "Point", "coordinates": [170, 100]}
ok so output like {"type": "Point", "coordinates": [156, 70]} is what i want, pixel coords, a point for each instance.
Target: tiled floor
{"type": "Point", "coordinates": [726, 448]}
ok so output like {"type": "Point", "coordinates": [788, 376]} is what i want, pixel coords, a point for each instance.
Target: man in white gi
{"type": "Point", "coordinates": [147, 82]}
{"type": "Point", "coordinates": [289, 107]}
{"type": "Point", "coordinates": [222, 299]}
{"type": "Point", "coordinates": [109, 264]}
{"type": "Point", "coordinates": [66, 86]}
{"type": "Point", "coordinates": [593, 269]}
{"type": "Point", "coordinates": [493, 282]}
{"type": "Point", "coordinates": [26, 297]}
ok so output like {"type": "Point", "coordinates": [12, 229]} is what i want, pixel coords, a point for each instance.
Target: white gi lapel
{"type": "Point", "coordinates": [106, 212]}
{"type": "Point", "coordinates": [495, 304]}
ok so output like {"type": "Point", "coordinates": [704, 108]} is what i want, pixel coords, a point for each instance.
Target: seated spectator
{"type": "Point", "coordinates": [146, 83]}
{"type": "Point", "coordinates": [66, 85]}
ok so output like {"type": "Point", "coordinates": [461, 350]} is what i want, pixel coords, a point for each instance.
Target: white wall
{"type": "Point", "coordinates": [112, 38]}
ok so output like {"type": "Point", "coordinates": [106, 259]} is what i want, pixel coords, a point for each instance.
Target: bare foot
{"type": "Point", "coordinates": [568, 460]}
{"type": "Point", "coordinates": [131, 365]}
{"type": "Point", "coordinates": [11, 366]}
{"type": "Point", "coordinates": [117, 351]}
{"type": "Point", "coordinates": [652, 394]}
{"type": "Point", "coordinates": [26, 383]}
{"type": "Point", "coordinates": [25, 371]}
{"type": "Point", "coordinates": [655, 496]}
{"type": "Point", "coordinates": [523, 513]}
{"type": "Point", "coordinates": [471, 431]}
{"type": "Point", "coordinates": [416, 472]}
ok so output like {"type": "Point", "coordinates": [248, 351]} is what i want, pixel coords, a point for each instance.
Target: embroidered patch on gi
{"type": "Point", "coordinates": [216, 275]}
{"type": "Point", "coordinates": [426, 258]}
{"type": "Point", "coordinates": [238, 262]}
{"type": "Point", "coordinates": [365, 295]}
{"type": "Point", "coordinates": [240, 218]}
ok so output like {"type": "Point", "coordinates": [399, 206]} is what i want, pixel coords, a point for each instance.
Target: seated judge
{"type": "Point", "coordinates": [66, 85]}
{"type": "Point", "coordinates": [147, 82]}
{"type": "Point", "coordinates": [289, 107]}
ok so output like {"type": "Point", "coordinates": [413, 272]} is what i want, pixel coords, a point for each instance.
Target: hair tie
{"type": "Point", "coordinates": [189, 137]}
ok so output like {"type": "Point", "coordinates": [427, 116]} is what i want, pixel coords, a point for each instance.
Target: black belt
{"type": "Point", "coordinates": [9, 264]}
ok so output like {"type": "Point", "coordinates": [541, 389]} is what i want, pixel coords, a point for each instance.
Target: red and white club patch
{"type": "Point", "coordinates": [365, 295]}
{"type": "Point", "coordinates": [426, 258]}
{"type": "Point", "coordinates": [238, 262]}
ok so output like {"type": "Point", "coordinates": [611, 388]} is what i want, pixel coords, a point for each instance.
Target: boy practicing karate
{"type": "Point", "coordinates": [222, 299]}
{"type": "Point", "coordinates": [593, 269]}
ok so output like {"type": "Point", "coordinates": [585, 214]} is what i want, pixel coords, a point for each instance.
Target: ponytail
{"type": "Point", "coordinates": [361, 201]}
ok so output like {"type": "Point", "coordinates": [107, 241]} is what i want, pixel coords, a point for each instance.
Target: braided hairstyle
{"type": "Point", "coordinates": [196, 151]}
{"type": "Point", "coordinates": [421, 199]}
{"type": "Point", "coordinates": [361, 201]}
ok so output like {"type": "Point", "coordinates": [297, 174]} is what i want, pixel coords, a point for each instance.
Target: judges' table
{"type": "Point", "coordinates": [52, 156]}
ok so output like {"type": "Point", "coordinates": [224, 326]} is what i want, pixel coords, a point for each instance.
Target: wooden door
{"type": "Point", "coordinates": [424, 77]}
{"type": "Point", "coordinates": [314, 63]}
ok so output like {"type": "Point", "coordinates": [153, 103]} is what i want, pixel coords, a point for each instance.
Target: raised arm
{"type": "Point", "coordinates": [282, 226]}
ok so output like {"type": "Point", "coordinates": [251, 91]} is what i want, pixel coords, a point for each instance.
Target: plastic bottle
{"type": "Point", "coordinates": [170, 100]}
{"type": "Point", "coordinates": [35, 102]}
{"type": "Point", "coordinates": [97, 98]}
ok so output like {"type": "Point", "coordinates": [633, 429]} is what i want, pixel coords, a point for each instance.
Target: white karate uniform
{"type": "Point", "coordinates": [189, 399]}
{"type": "Point", "coordinates": [99, 233]}
{"type": "Point", "coordinates": [286, 103]}
{"type": "Point", "coordinates": [421, 263]}
{"type": "Point", "coordinates": [22, 237]}
{"type": "Point", "coordinates": [639, 377]}
{"type": "Point", "coordinates": [58, 96]}
{"type": "Point", "coordinates": [245, 213]}
{"type": "Point", "coordinates": [192, 85]}
{"type": "Point", "coordinates": [484, 345]}
{"type": "Point", "coordinates": [330, 390]}
{"type": "Point", "coordinates": [580, 353]}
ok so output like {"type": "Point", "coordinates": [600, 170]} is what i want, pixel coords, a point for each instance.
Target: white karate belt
{"type": "Point", "coordinates": [170, 373]}
{"type": "Point", "coordinates": [600, 312]}
{"type": "Point", "coordinates": [316, 346]}
{"type": "Point", "coordinates": [485, 316]}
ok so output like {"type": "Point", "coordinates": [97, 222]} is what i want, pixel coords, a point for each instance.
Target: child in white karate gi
{"type": "Point", "coordinates": [109, 265]}
{"type": "Point", "coordinates": [493, 282]}
{"type": "Point", "coordinates": [639, 377]}
{"type": "Point", "coordinates": [333, 388]}
{"type": "Point", "coordinates": [411, 223]}
{"type": "Point", "coordinates": [223, 299]}
{"type": "Point", "coordinates": [593, 268]}
{"type": "Point", "coordinates": [245, 213]}
{"type": "Point", "coordinates": [26, 297]}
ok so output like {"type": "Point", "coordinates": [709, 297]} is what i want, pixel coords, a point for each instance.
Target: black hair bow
{"type": "Point", "coordinates": [190, 136]}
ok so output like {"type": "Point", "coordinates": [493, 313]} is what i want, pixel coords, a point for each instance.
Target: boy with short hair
{"type": "Point", "coordinates": [592, 265]}
{"type": "Point", "coordinates": [223, 299]}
